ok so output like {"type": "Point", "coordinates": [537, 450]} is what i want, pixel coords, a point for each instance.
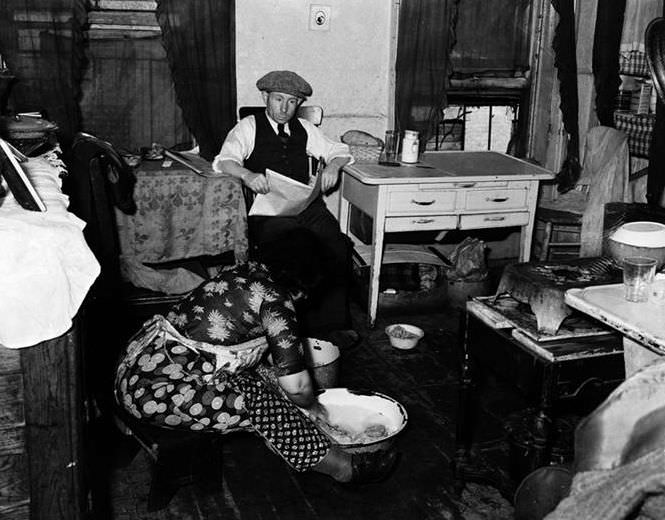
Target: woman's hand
{"type": "Point", "coordinates": [299, 389]}
{"type": "Point", "coordinates": [318, 411]}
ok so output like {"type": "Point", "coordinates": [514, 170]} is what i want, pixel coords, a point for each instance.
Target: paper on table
{"type": "Point", "coordinates": [286, 197]}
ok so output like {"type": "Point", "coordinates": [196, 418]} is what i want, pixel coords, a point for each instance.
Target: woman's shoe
{"type": "Point", "coordinates": [371, 467]}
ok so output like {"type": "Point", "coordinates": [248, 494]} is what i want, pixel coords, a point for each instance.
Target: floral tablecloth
{"type": "Point", "coordinates": [182, 214]}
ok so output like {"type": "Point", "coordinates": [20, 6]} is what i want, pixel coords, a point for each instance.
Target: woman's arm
{"type": "Point", "coordinates": [299, 389]}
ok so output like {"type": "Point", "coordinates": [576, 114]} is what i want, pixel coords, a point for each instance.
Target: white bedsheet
{"type": "Point", "coordinates": [46, 267]}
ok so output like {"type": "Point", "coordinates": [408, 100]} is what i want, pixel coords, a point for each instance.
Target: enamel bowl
{"type": "Point", "coordinates": [361, 421]}
{"type": "Point", "coordinates": [638, 239]}
{"type": "Point", "coordinates": [404, 336]}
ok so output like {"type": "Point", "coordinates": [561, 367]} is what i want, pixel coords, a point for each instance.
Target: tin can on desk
{"type": "Point", "coordinates": [410, 145]}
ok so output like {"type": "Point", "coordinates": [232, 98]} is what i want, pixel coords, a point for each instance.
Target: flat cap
{"type": "Point", "coordinates": [285, 81]}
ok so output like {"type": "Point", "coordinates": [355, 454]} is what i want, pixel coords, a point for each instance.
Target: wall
{"type": "Point", "coordinates": [349, 66]}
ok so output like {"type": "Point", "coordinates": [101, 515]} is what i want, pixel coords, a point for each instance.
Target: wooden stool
{"type": "Point", "coordinates": [179, 458]}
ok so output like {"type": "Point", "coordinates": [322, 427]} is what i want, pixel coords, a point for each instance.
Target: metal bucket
{"type": "Point", "coordinates": [459, 291]}
{"type": "Point", "coordinates": [322, 358]}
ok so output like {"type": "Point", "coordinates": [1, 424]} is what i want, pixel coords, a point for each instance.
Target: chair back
{"type": "Point", "coordinates": [311, 113]}
{"type": "Point", "coordinates": [606, 170]}
{"type": "Point", "coordinates": [99, 180]}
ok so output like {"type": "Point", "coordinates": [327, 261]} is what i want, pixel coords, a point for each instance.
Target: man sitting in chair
{"type": "Point", "coordinates": [279, 141]}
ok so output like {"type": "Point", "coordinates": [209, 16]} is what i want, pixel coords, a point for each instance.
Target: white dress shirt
{"type": "Point", "coordinates": [239, 143]}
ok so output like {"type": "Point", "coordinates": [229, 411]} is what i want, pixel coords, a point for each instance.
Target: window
{"type": "Point", "coordinates": [489, 86]}
{"type": "Point", "coordinates": [479, 127]}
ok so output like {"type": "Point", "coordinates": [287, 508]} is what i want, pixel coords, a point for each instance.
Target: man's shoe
{"type": "Point", "coordinates": [372, 467]}
{"type": "Point", "coordinates": [343, 339]}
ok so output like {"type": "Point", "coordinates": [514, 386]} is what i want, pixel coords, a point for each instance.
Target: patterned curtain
{"type": "Point", "coordinates": [199, 37]}
{"type": "Point", "coordinates": [425, 37]}
{"type": "Point", "coordinates": [41, 42]}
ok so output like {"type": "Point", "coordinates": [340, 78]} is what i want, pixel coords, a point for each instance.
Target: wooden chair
{"type": "Point", "coordinates": [312, 113]}
{"type": "Point", "coordinates": [572, 222]}
{"type": "Point", "coordinates": [98, 181]}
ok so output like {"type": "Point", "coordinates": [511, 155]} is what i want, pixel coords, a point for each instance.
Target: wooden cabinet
{"type": "Point", "coordinates": [41, 431]}
{"type": "Point", "coordinates": [447, 190]}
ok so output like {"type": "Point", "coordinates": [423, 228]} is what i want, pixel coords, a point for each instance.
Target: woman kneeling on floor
{"type": "Point", "coordinates": [188, 371]}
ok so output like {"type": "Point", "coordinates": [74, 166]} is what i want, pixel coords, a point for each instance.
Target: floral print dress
{"type": "Point", "coordinates": [188, 371]}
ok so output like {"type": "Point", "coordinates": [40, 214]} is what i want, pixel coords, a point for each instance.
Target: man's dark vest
{"type": "Point", "coordinates": [288, 158]}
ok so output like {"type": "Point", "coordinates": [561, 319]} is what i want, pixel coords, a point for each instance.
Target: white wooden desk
{"type": "Point", "coordinates": [642, 324]}
{"type": "Point", "coordinates": [444, 191]}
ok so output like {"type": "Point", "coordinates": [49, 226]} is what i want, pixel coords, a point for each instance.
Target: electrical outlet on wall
{"type": "Point", "coordinates": [319, 17]}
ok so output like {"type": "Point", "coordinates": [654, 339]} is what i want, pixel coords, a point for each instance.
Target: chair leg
{"type": "Point", "coordinates": [545, 247]}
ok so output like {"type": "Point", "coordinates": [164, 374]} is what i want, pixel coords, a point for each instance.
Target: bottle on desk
{"type": "Point", "coordinates": [410, 145]}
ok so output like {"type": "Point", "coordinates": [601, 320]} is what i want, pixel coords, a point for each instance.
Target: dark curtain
{"type": "Point", "coordinates": [606, 48]}
{"type": "Point", "coordinates": [503, 51]}
{"type": "Point", "coordinates": [425, 37]}
{"type": "Point", "coordinates": [565, 62]}
{"type": "Point", "coordinates": [199, 37]}
{"type": "Point", "coordinates": [42, 45]}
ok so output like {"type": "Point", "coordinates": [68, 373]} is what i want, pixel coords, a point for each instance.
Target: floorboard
{"type": "Point", "coordinates": [258, 485]}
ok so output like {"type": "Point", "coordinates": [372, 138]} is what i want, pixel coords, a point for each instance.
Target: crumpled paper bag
{"type": "Point", "coordinates": [468, 261]}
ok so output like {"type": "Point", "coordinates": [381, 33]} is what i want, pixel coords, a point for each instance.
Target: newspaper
{"type": "Point", "coordinates": [286, 197]}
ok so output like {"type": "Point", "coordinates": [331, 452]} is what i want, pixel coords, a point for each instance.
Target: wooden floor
{"type": "Point", "coordinates": [258, 485]}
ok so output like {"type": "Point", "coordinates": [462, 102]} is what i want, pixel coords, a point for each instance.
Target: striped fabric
{"type": "Point", "coordinates": [633, 63]}
{"type": "Point", "coordinates": [639, 128]}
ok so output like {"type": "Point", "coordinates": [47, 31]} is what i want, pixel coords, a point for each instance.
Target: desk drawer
{"type": "Point", "coordinates": [489, 220]}
{"type": "Point", "coordinates": [421, 223]}
{"type": "Point", "coordinates": [415, 201]}
{"type": "Point", "coordinates": [495, 199]}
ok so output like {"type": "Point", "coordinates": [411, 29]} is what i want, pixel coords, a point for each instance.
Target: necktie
{"type": "Point", "coordinates": [281, 133]}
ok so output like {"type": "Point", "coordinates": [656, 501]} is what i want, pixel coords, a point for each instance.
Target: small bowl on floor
{"type": "Point", "coordinates": [404, 336]}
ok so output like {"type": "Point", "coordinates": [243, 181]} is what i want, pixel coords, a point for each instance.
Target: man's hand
{"type": "Point", "coordinates": [256, 182]}
{"type": "Point", "coordinates": [329, 177]}
{"type": "Point", "coordinates": [330, 174]}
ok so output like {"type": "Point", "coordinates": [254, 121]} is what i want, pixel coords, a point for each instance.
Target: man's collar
{"type": "Point", "coordinates": [274, 123]}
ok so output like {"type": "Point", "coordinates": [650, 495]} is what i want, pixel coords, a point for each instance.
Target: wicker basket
{"type": "Point", "coordinates": [365, 153]}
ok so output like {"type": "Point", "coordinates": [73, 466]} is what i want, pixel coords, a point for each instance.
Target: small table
{"type": "Point", "coordinates": [182, 214]}
{"type": "Point", "coordinates": [444, 191]}
{"type": "Point", "coordinates": [641, 324]}
{"type": "Point", "coordinates": [549, 371]}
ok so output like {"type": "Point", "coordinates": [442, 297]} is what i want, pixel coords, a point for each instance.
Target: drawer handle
{"type": "Point", "coordinates": [423, 221]}
{"type": "Point", "coordinates": [496, 199]}
{"type": "Point", "coordinates": [423, 202]}
{"type": "Point", "coordinates": [464, 184]}
{"type": "Point", "coordinates": [494, 219]}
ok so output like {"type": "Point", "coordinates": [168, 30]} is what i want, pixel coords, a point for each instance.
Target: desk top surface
{"type": "Point", "coordinates": [451, 166]}
{"type": "Point", "coordinates": [580, 340]}
{"type": "Point", "coordinates": [641, 322]}
{"type": "Point", "coordinates": [168, 166]}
